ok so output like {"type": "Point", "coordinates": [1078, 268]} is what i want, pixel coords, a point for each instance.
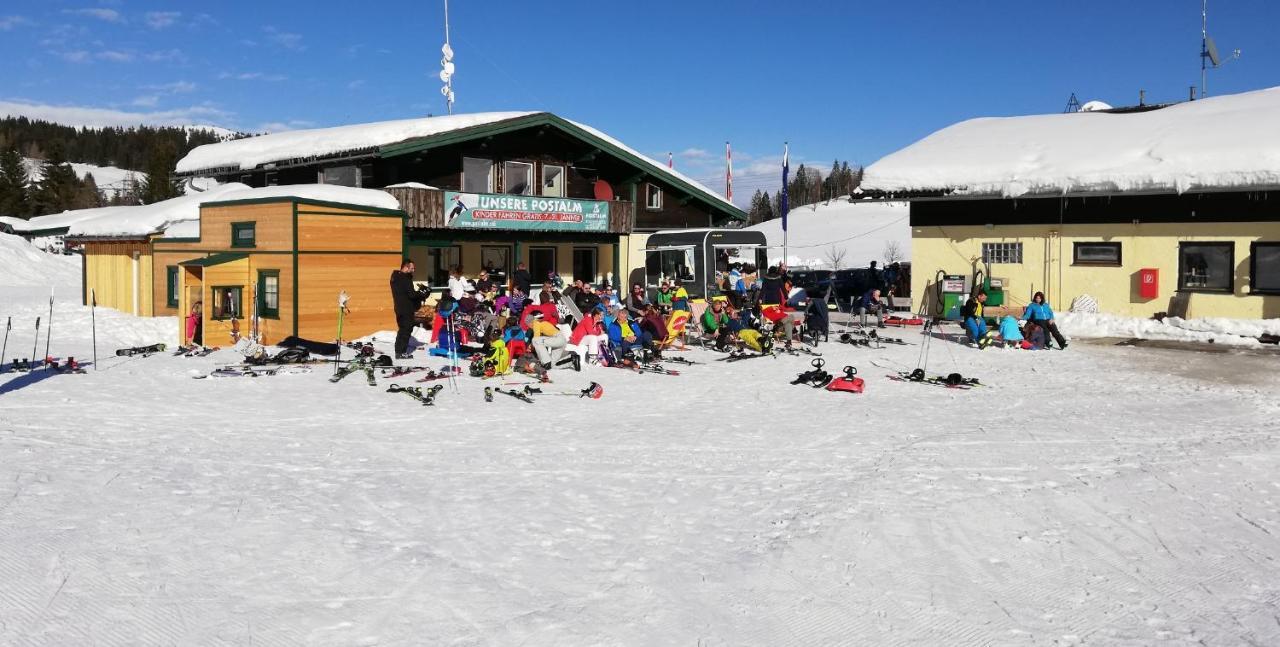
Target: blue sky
{"type": "Point", "coordinates": [851, 79]}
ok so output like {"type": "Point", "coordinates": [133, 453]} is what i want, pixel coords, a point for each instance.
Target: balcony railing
{"type": "Point", "coordinates": [426, 210]}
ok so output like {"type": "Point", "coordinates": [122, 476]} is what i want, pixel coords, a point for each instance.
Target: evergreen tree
{"type": "Point", "coordinates": [14, 187]}
{"type": "Point", "coordinates": [58, 186]}
{"type": "Point", "coordinates": [754, 213]}
{"type": "Point", "coordinates": [160, 184]}
{"type": "Point", "coordinates": [767, 211]}
{"type": "Point", "coordinates": [88, 195]}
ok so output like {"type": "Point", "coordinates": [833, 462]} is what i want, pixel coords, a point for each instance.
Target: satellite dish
{"type": "Point", "coordinates": [1211, 50]}
{"type": "Point", "coordinates": [444, 91]}
{"type": "Point", "coordinates": [445, 76]}
{"type": "Point", "coordinates": [449, 67]}
{"type": "Point", "coordinates": [449, 96]}
{"type": "Point", "coordinates": [603, 191]}
{"type": "Point", "coordinates": [447, 51]}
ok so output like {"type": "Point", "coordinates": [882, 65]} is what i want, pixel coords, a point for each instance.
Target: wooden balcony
{"type": "Point", "coordinates": [426, 210]}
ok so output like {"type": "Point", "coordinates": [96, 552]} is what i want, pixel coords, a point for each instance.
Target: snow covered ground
{"type": "Point", "coordinates": [860, 230]}
{"type": "Point", "coordinates": [1102, 495]}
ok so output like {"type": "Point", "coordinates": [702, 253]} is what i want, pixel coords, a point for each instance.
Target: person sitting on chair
{"type": "Point", "coordinates": [869, 304]}
{"type": "Point", "coordinates": [715, 323]}
{"type": "Point", "coordinates": [974, 324]}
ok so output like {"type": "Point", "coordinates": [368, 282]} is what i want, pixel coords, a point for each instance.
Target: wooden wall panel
{"type": "Point", "coordinates": [109, 273]}
{"type": "Point", "coordinates": [275, 329]}
{"type": "Point", "coordinates": [274, 229]}
{"type": "Point", "coordinates": [236, 273]}
{"type": "Point", "coordinates": [364, 277]}
{"type": "Point", "coordinates": [350, 233]}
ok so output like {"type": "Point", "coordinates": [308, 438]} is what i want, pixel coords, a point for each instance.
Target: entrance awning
{"type": "Point", "coordinates": [214, 259]}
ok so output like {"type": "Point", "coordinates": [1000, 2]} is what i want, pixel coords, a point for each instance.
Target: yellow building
{"type": "Point", "coordinates": [1149, 209]}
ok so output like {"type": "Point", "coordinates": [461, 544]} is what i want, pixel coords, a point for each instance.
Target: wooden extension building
{"type": "Point", "coordinates": [276, 258]}
{"type": "Point", "coordinates": [488, 190]}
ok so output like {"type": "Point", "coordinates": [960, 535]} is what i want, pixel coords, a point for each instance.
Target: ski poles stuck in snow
{"type": "Point", "coordinates": [8, 324]}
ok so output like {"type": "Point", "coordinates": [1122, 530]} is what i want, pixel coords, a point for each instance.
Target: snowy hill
{"type": "Point", "coordinates": [861, 230]}
{"type": "Point", "coordinates": [111, 181]}
{"type": "Point", "coordinates": [23, 264]}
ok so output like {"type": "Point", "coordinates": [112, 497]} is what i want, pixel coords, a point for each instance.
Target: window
{"type": "Point", "coordinates": [1096, 254]}
{"type": "Point", "coordinates": [671, 263]}
{"type": "Point", "coordinates": [1206, 267]}
{"type": "Point", "coordinates": [269, 294]}
{"type": "Point", "coordinates": [227, 303]}
{"type": "Point", "coordinates": [439, 260]}
{"type": "Point", "coordinates": [652, 197]}
{"type": "Point", "coordinates": [477, 175]}
{"type": "Point", "coordinates": [340, 175]}
{"type": "Point", "coordinates": [171, 285]}
{"type": "Point", "coordinates": [517, 178]}
{"type": "Point", "coordinates": [1010, 253]}
{"type": "Point", "coordinates": [553, 181]}
{"type": "Point", "coordinates": [242, 234]}
{"type": "Point", "coordinates": [584, 264]}
{"type": "Point", "coordinates": [542, 262]}
{"type": "Point", "coordinates": [1264, 268]}
{"type": "Point", "coordinates": [496, 259]}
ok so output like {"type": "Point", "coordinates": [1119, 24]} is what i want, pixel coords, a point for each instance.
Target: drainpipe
{"type": "Point", "coordinates": [135, 282]}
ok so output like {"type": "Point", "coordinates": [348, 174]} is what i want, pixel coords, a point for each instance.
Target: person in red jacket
{"type": "Point", "coordinates": [589, 336]}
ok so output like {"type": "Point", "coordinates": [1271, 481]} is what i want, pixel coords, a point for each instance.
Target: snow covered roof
{"type": "Point", "coordinates": [144, 220]}
{"type": "Point", "coordinates": [375, 198]}
{"type": "Point", "coordinates": [68, 218]}
{"type": "Point", "coordinates": [1226, 142]}
{"type": "Point", "coordinates": [318, 142]}
{"type": "Point", "coordinates": [321, 142]}
{"type": "Point", "coordinates": [859, 230]}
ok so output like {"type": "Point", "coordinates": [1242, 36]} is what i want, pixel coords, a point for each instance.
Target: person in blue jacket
{"type": "Point", "coordinates": [623, 334]}
{"type": "Point", "coordinates": [871, 303]}
{"type": "Point", "coordinates": [1039, 313]}
{"type": "Point", "coordinates": [974, 323]}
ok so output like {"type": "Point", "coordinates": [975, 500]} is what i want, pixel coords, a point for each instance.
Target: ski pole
{"type": "Point", "coordinates": [93, 324]}
{"type": "Point", "coordinates": [48, 331]}
{"type": "Point", "coordinates": [36, 344]}
{"type": "Point", "coordinates": [7, 325]}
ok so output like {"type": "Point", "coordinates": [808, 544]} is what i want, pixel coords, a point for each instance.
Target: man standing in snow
{"type": "Point", "coordinates": [520, 279]}
{"type": "Point", "coordinates": [406, 300]}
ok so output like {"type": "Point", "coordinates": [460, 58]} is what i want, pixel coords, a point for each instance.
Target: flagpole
{"type": "Point", "coordinates": [786, 161]}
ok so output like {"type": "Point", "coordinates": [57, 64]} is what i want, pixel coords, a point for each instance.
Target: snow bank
{"type": "Point", "coordinates": [23, 264]}
{"type": "Point", "coordinates": [300, 144]}
{"type": "Point", "coordinates": [1221, 142]}
{"type": "Point", "coordinates": [859, 229]}
{"type": "Point", "coordinates": [148, 219]}
{"type": "Point", "coordinates": [411, 185]}
{"type": "Point", "coordinates": [376, 198]}
{"type": "Point", "coordinates": [1232, 332]}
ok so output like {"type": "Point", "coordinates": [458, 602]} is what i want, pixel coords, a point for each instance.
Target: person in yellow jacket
{"type": "Point", "coordinates": [548, 342]}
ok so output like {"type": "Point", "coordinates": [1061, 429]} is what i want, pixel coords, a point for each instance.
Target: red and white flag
{"type": "Point", "coordinates": [728, 172]}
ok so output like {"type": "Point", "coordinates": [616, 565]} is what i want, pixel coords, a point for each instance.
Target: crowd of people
{"type": "Point", "coordinates": [1038, 331]}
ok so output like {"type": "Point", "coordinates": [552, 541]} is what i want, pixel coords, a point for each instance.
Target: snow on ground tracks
{"type": "Point", "coordinates": [1087, 496]}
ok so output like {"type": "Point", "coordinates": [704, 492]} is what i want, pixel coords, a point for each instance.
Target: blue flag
{"type": "Point", "coordinates": [786, 161]}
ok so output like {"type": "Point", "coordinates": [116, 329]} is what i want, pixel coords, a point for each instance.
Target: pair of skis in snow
{"type": "Point", "coordinates": [593, 391]}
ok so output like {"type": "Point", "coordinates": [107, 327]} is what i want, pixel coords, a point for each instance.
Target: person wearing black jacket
{"type": "Point", "coordinates": [406, 300]}
{"type": "Point", "coordinates": [521, 278]}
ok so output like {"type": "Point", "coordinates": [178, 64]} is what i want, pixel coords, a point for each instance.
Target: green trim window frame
{"type": "Point", "coordinates": [1097, 254]}
{"type": "Point", "coordinates": [171, 286]}
{"type": "Point", "coordinates": [553, 180]}
{"type": "Point", "coordinates": [228, 302]}
{"type": "Point", "coordinates": [243, 234]}
{"type": "Point", "coordinates": [269, 294]}
{"type": "Point", "coordinates": [1264, 268]}
{"type": "Point", "coordinates": [1206, 266]}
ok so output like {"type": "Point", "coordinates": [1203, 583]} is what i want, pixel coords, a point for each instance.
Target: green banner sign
{"type": "Point", "coordinates": [524, 212]}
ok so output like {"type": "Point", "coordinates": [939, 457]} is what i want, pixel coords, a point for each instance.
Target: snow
{"type": "Point", "coordinates": [860, 229]}
{"type": "Point", "coordinates": [1224, 142]}
{"type": "Point", "coordinates": [1102, 495]}
{"type": "Point", "coordinates": [411, 185]}
{"type": "Point", "coordinates": [1095, 105]}
{"type": "Point", "coordinates": [24, 264]}
{"type": "Point", "coordinates": [144, 220]}
{"type": "Point", "coordinates": [71, 217]}
{"type": "Point", "coordinates": [1219, 330]}
{"type": "Point", "coordinates": [110, 180]}
{"type": "Point", "coordinates": [249, 152]}
{"type": "Point", "coordinates": [376, 198]}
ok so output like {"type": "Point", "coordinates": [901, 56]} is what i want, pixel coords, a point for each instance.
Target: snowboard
{"type": "Point", "coordinates": [140, 350]}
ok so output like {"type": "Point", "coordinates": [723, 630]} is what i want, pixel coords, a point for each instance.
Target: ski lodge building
{"type": "Point", "coordinates": [488, 190]}
{"type": "Point", "coordinates": [1163, 208]}
{"type": "Point", "coordinates": [301, 215]}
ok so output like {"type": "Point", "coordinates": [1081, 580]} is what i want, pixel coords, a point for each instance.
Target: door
{"type": "Point", "coordinates": [584, 264]}
{"type": "Point", "coordinates": [542, 262]}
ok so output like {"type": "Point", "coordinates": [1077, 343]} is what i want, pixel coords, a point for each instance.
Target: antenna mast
{"type": "Point", "coordinates": [1204, 45]}
{"type": "Point", "coordinates": [446, 63]}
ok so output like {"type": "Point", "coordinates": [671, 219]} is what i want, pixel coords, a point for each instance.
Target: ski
{"type": "Point", "coordinates": [255, 371]}
{"type": "Point", "coordinates": [519, 395]}
{"type": "Point", "coordinates": [678, 360]}
{"type": "Point", "coordinates": [739, 355]}
{"type": "Point", "coordinates": [427, 398]}
{"type": "Point", "coordinates": [593, 391]}
{"type": "Point", "coordinates": [443, 374]}
{"type": "Point", "coordinates": [145, 351]}
{"type": "Point", "coordinates": [952, 381]}
{"type": "Point", "coordinates": [351, 367]}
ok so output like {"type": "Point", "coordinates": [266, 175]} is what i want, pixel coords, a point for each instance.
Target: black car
{"type": "Point", "coordinates": [850, 285]}
{"type": "Point", "coordinates": [814, 282]}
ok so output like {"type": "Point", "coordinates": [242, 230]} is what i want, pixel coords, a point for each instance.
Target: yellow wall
{"type": "Point", "coordinates": [109, 274]}
{"type": "Point", "coordinates": [1047, 264]}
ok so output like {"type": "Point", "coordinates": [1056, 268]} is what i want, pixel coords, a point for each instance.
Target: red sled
{"type": "Point", "coordinates": [848, 382]}
{"type": "Point", "coordinates": [901, 321]}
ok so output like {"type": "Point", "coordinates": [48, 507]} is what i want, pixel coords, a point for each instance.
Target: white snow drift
{"type": "Point", "coordinates": [1231, 141]}
{"type": "Point", "coordinates": [860, 230]}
